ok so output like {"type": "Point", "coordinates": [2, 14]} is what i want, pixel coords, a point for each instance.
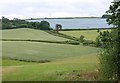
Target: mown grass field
{"type": "Point", "coordinates": [33, 34]}
{"type": "Point", "coordinates": [67, 62]}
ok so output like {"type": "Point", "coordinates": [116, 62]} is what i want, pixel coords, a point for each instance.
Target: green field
{"type": "Point", "coordinates": [88, 34]}
{"type": "Point", "coordinates": [43, 51]}
{"type": "Point", "coordinates": [65, 69]}
{"type": "Point", "coordinates": [32, 34]}
{"type": "Point", "coordinates": [66, 62]}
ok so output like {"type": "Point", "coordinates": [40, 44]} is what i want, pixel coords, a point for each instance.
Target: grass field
{"type": "Point", "coordinates": [64, 69]}
{"type": "Point", "coordinates": [88, 34]}
{"type": "Point", "coordinates": [26, 33]}
{"type": "Point", "coordinates": [67, 62]}
{"type": "Point", "coordinates": [43, 51]}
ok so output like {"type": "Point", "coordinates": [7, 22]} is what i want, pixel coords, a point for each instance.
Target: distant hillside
{"type": "Point", "coordinates": [61, 18]}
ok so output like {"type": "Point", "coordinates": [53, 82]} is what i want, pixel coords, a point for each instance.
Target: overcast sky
{"type": "Point", "coordinates": [53, 8]}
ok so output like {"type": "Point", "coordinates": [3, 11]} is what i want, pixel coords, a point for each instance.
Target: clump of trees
{"type": "Point", "coordinates": [18, 23]}
{"type": "Point", "coordinates": [44, 25]}
{"type": "Point", "coordinates": [109, 54]}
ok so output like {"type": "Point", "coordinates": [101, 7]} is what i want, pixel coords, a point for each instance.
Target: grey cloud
{"type": "Point", "coordinates": [46, 7]}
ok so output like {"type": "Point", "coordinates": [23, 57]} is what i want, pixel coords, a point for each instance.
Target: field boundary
{"type": "Point", "coordinates": [61, 42]}
{"type": "Point", "coordinates": [62, 35]}
{"type": "Point", "coordinates": [45, 41]}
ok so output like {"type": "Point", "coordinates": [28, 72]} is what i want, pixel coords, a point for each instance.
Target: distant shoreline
{"type": "Point", "coordinates": [61, 18]}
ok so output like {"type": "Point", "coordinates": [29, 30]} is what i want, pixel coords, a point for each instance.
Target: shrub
{"type": "Point", "coordinates": [82, 38]}
{"type": "Point", "coordinates": [88, 42]}
{"type": "Point", "coordinates": [73, 42]}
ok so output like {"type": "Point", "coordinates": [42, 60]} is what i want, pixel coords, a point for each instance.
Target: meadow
{"type": "Point", "coordinates": [40, 61]}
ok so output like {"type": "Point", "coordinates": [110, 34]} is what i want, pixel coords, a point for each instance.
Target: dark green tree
{"type": "Point", "coordinates": [44, 25]}
{"type": "Point", "coordinates": [109, 55]}
{"type": "Point", "coordinates": [6, 23]}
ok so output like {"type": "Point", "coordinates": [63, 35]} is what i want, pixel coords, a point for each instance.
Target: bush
{"type": "Point", "coordinates": [22, 26]}
{"type": "Point", "coordinates": [98, 42]}
{"type": "Point", "coordinates": [88, 42]}
{"type": "Point", "coordinates": [73, 42]}
{"type": "Point", "coordinates": [82, 38]}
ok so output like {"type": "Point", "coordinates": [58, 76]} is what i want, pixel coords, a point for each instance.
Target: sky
{"type": "Point", "coordinates": [24, 9]}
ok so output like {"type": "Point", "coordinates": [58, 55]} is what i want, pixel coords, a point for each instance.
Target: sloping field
{"type": "Point", "coordinates": [32, 51]}
{"type": "Point", "coordinates": [25, 33]}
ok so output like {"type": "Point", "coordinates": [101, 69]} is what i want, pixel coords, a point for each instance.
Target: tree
{"type": "Point", "coordinates": [44, 25]}
{"type": "Point", "coordinates": [6, 23]}
{"type": "Point", "coordinates": [109, 55]}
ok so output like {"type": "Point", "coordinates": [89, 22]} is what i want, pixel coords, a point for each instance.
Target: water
{"type": "Point", "coordinates": [82, 23]}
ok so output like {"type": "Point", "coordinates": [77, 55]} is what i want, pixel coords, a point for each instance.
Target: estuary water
{"type": "Point", "coordinates": [79, 23]}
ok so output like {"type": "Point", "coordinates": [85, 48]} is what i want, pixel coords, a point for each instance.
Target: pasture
{"type": "Point", "coordinates": [88, 34]}
{"type": "Point", "coordinates": [40, 61]}
{"type": "Point", "coordinates": [33, 51]}
{"type": "Point", "coordinates": [33, 34]}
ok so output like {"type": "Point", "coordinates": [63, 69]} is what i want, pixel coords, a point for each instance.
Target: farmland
{"type": "Point", "coordinates": [27, 61]}
{"type": "Point", "coordinates": [88, 34]}
{"type": "Point", "coordinates": [33, 34]}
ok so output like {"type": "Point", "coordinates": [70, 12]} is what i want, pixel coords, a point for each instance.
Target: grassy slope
{"type": "Point", "coordinates": [25, 33]}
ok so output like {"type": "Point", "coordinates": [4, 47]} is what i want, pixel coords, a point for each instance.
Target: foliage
{"type": "Point", "coordinates": [73, 42]}
{"type": "Point", "coordinates": [6, 23]}
{"type": "Point", "coordinates": [44, 25]}
{"type": "Point", "coordinates": [81, 38]}
{"type": "Point", "coordinates": [18, 23]}
{"type": "Point", "coordinates": [97, 41]}
{"type": "Point", "coordinates": [88, 42]}
{"type": "Point", "coordinates": [113, 19]}
{"type": "Point", "coordinates": [107, 56]}
{"type": "Point", "coordinates": [110, 41]}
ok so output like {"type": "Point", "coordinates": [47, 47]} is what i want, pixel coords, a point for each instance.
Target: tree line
{"type": "Point", "coordinates": [18, 23]}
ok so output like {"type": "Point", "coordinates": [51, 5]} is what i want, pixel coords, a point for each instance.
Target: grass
{"type": "Point", "coordinates": [8, 62]}
{"type": "Point", "coordinates": [89, 34]}
{"type": "Point", "coordinates": [25, 33]}
{"type": "Point", "coordinates": [64, 69]}
{"type": "Point", "coordinates": [32, 51]}
{"type": "Point", "coordinates": [67, 62]}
